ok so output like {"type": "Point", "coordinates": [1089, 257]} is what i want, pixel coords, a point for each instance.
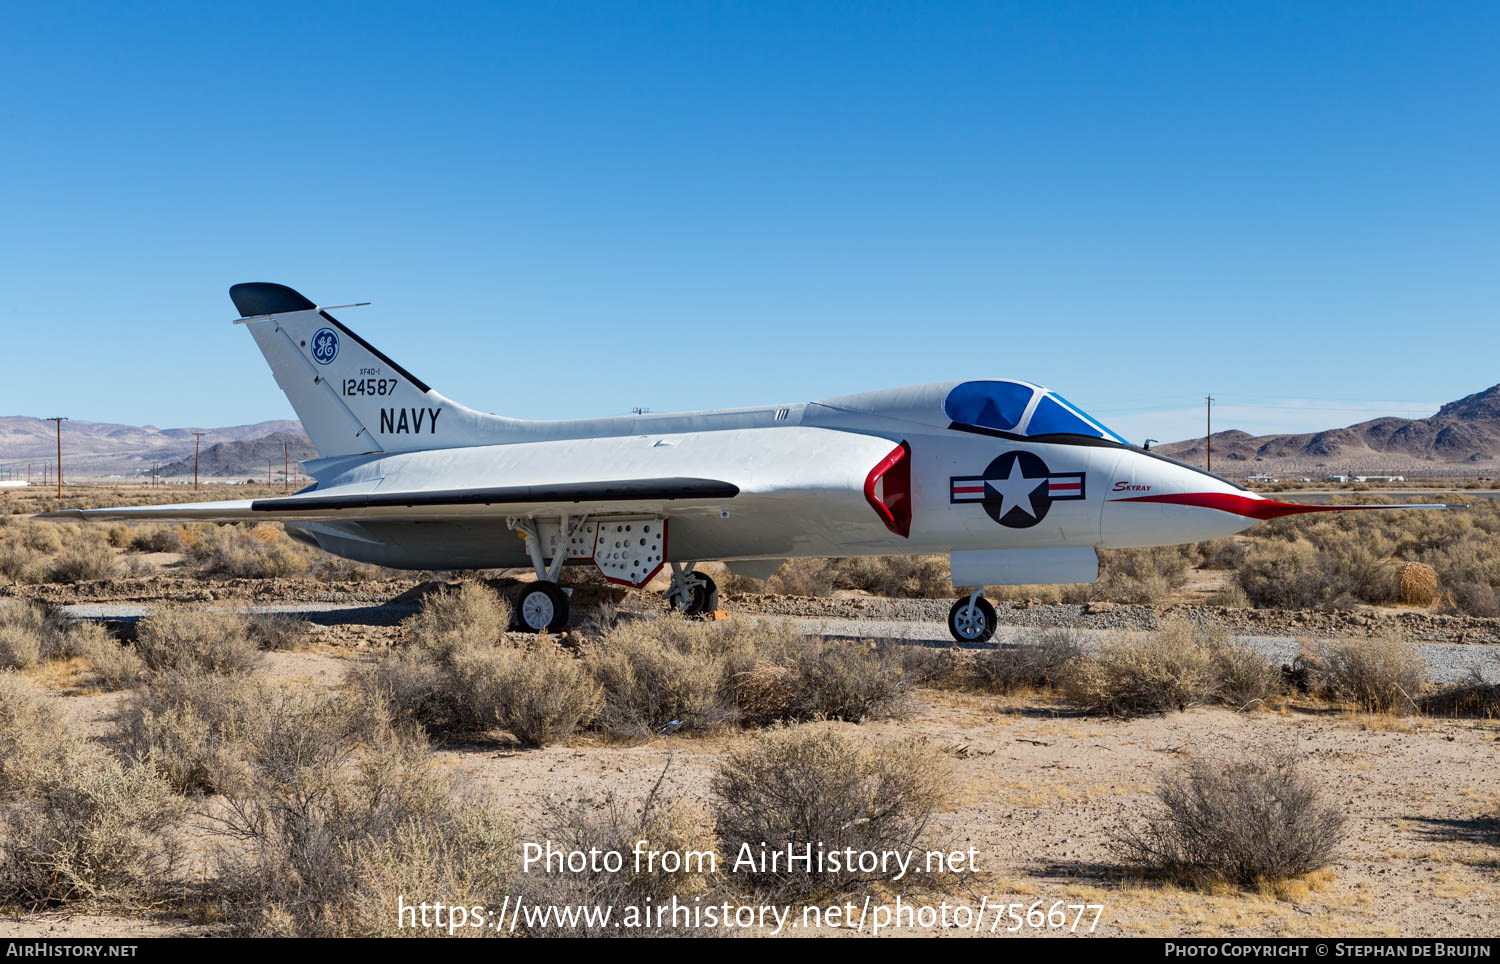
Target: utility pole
{"type": "Point", "coordinates": [1208, 440]}
{"type": "Point", "coordinates": [286, 464]}
{"type": "Point", "coordinates": [59, 420]}
{"type": "Point", "coordinates": [197, 440]}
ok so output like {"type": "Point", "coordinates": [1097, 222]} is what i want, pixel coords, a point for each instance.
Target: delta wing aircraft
{"type": "Point", "coordinates": [1014, 482]}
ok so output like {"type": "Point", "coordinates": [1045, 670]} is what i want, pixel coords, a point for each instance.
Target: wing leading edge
{"type": "Point", "coordinates": [621, 495]}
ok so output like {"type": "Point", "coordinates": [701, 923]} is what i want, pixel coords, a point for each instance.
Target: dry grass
{"type": "Point", "coordinates": [797, 788]}
{"type": "Point", "coordinates": [1252, 822]}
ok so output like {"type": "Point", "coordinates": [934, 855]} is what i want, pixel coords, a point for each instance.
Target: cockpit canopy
{"type": "Point", "coordinates": [1020, 408]}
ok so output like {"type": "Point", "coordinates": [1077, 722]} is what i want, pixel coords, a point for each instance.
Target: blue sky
{"type": "Point", "coordinates": [568, 209]}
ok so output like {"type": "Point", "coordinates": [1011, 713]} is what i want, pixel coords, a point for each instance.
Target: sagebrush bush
{"type": "Point", "coordinates": [190, 725]}
{"type": "Point", "coordinates": [1474, 697]}
{"type": "Point", "coordinates": [457, 616]}
{"type": "Point", "coordinates": [1140, 576]}
{"type": "Point", "coordinates": [660, 825]}
{"type": "Point", "coordinates": [276, 631]}
{"type": "Point", "coordinates": [652, 673]}
{"type": "Point", "coordinates": [74, 823]}
{"type": "Point", "coordinates": [844, 680]}
{"type": "Point", "coordinates": [1251, 822]}
{"type": "Point", "coordinates": [794, 789]}
{"type": "Point", "coordinates": [1385, 674]}
{"type": "Point", "coordinates": [258, 552]}
{"type": "Point", "coordinates": [541, 696]}
{"type": "Point", "coordinates": [1169, 668]}
{"type": "Point", "coordinates": [1038, 664]}
{"type": "Point", "coordinates": [1242, 674]}
{"type": "Point", "coordinates": [88, 558]}
{"type": "Point", "coordinates": [339, 816]}
{"type": "Point", "coordinates": [186, 637]}
{"type": "Point", "coordinates": [116, 666]}
{"type": "Point", "coordinates": [31, 633]}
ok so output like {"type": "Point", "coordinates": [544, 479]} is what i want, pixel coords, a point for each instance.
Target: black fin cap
{"type": "Point", "coordinates": [254, 298]}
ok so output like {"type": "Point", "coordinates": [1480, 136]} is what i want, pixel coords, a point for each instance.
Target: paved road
{"type": "Point", "coordinates": [1446, 662]}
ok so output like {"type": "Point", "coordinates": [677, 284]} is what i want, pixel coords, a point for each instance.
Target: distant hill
{"type": "Point", "coordinates": [97, 449]}
{"type": "Point", "coordinates": [250, 459]}
{"type": "Point", "coordinates": [1463, 438]}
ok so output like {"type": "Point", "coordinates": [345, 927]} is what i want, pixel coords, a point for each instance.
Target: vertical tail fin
{"type": "Point", "coordinates": [351, 397]}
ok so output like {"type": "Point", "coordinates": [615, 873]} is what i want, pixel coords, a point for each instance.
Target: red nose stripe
{"type": "Point", "coordinates": [1245, 505]}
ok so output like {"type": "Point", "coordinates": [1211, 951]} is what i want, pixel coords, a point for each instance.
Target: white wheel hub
{"type": "Point", "coordinates": [537, 610]}
{"type": "Point", "coordinates": [970, 622]}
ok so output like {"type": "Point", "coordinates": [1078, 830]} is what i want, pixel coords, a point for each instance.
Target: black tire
{"type": "Point", "coordinates": [536, 602]}
{"type": "Point", "coordinates": [962, 628]}
{"type": "Point", "coordinates": [702, 596]}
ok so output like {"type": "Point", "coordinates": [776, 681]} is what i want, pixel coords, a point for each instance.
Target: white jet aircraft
{"type": "Point", "coordinates": [1014, 482]}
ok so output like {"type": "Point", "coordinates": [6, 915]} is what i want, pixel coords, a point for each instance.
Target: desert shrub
{"type": "Point", "coordinates": [31, 633]}
{"type": "Point", "coordinates": [656, 672]}
{"type": "Point", "coordinates": [1038, 664]}
{"type": "Point", "coordinates": [31, 736]}
{"type": "Point", "coordinates": [844, 680]}
{"type": "Point", "coordinates": [1242, 674]}
{"type": "Point", "coordinates": [21, 628]}
{"type": "Point", "coordinates": [156, 538]}
{"type": "Point", "coordinates": [660, 825]}
{"type": "Point", "coordinates": [1385, 674]}
{"type": "Point", "coordinates": [190, 725]}
{"type": "Point", "coordinates": [186, 637]}
{"type": "Point", "coordinates": [276, 631]}
{"type": "Point", "coordinates": [795, 789]}
{"type": "Point", "coordinates": [1472, 598]}
{"type": "Point", "coordinates": [91, 828]}
{"type": "Point", "coordinates": [455, 616]}
{"type": "Point", "coordinates": [1474, 697]}
{"type": "Point", "coordinates": [802, 577]}
{"type": "Point", "coordinates": [900, 577]}
{"type": "Point", "coordinates": [75, 823]}
{"type": "Point", "coordinates": [1249, 822]}
{"type": "Point", "coordinates": [1170, 668]}
{"type": "Point", "coordinates": [1136, 575]}
{"type": "Point", "coordinates": [82, 560]}
{"type": "Point", "coordinates": [21, 563]}
{"type": "Point", "coordinates": [260, 552]}
{"type": "Point", "coordinates": [1291, 575]}
{"type": "Point", "coordinates": [115, 665]}
{"type": "Point", "coordinates": [540, 696]}
{"type": "Point", "coordinates": [340, 815]}
{"type": "Point", "coordinates": [1226, 553]}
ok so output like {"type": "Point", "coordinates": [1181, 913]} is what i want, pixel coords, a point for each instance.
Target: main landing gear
{"type": "Point", "coordinates": [691, 593]}
{"type": "Point", "coordinates": [972, 619]}
{"type": "Point", "coordinates": [542, 606]}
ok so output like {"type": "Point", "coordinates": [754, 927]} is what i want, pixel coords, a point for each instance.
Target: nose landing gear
{"type": "Point", "coordinates": [972, 618]}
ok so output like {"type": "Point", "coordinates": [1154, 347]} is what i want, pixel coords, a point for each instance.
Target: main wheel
{"type": "Point", "coordinates": [972, 624]}
{"type": "Point", "coordinates": [541, 606]}
{"type": "Point", "coordinates": [699, 597]}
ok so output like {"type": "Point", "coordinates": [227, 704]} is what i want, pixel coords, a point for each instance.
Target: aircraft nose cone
{"type": "Point", "coordinates": [1153, 501]}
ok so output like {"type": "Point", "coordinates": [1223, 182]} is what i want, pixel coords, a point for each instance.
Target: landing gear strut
{"type": "Point", "coordinates": [692, 593]}
{"type": "Point", "coordinates": [542, 606]}
{"type": "Point", "coordinates": [972, 618]}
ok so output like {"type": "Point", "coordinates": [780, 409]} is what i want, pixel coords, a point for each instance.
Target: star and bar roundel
{"type": "Point", "coordinates": [1017, 489]}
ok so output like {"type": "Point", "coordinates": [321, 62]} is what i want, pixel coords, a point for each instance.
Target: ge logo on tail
{"type": "Point", "coordinates": [325, 346]}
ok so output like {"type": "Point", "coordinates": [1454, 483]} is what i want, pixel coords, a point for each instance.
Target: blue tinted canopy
{"type": "Point", "coordinates": [1004, 406]}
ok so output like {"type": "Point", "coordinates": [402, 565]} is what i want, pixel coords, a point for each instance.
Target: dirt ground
{"type": "Point", "coordinates": [1037, 792]}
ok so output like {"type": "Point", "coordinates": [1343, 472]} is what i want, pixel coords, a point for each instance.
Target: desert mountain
{"type": "Point", "coordinates": [250, 459]}
{"type": "Point", "coordinates": [1461, 439]}
{"type": "Point", "coordinates": [96, 449]}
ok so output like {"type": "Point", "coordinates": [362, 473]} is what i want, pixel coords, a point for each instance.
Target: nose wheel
{"type": "Point", "coordinates": [972, 619]}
